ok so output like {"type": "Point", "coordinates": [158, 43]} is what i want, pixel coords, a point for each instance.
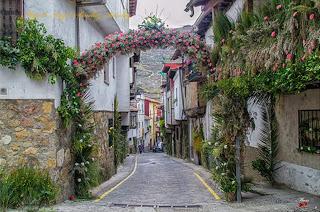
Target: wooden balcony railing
{"type": "Point", "coordinates": [10, 10]}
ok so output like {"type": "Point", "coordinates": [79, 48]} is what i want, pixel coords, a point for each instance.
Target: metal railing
{"type": "Point", "coordinates": [309, 129]}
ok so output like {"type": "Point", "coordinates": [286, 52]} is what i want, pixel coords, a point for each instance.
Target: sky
{"type": "Point", "coordinates": [171, 11]}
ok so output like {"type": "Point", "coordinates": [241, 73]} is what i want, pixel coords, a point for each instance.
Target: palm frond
{"type": "Point", "coordinates": [267, 164]}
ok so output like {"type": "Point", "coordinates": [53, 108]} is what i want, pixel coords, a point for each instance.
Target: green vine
{"type": "Point", "coordinates": [119, 140]}
{"type": "Point", "coordinates": [267, 53]}
{"type": "Point", "coordinates": [8, 54]}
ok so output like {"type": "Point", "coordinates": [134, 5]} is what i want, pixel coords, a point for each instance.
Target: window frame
{"type": "Point", "coordinates": [308, 119]}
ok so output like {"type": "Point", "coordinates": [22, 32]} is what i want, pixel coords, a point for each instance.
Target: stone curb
{"type": "Point", "coordinates": [123, 171]}
{"type": "Point", "coordinates": [203, 172]}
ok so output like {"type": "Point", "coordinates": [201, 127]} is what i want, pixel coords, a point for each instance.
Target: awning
{"type": "Point", "coordinates": [171, 66]}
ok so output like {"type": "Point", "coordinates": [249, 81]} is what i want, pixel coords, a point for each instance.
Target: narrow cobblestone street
{"type": "Point", "coordinates": [160, 180]}
{"type": "Point", "coordinates": [162, 183]}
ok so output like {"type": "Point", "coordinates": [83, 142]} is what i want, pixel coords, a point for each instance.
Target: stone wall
{"type": "Point", "coordinates": [104, 153]}
{"type": "Point", "coordinates": [30, 135]}
{"type": "Point", "coordinates": [300, 170]}
{"type": "Point", "coordinates": [248, 155]}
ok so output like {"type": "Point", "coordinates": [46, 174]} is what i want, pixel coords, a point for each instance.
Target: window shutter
{"type": "Point", "coordinates": [10, 11]}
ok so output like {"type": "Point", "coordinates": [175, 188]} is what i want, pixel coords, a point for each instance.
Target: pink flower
{"type": "Point", "coordinates": [266, 18]}
{"type": "Point", "coordinates": [289, 56]}
{"type": "Point", "coordinates": [279, 7]}
{"type": "Point", "coordinates": [312, 16]}
{"type": "Point", "coordinates": [75, 63]}
{"type": "Point", "coordinates": [79, 94]}
{"type": "Point", "coordinates": [274, 34]}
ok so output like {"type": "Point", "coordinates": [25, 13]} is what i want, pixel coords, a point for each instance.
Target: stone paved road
{"type": "Point", "coordinates": [160, 180]}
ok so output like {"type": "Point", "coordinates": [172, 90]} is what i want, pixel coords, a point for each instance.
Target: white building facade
{"type": "Point", "coordinates": [32, 105]}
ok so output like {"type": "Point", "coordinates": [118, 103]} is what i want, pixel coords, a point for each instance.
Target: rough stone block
{"type": "Point", "coordinates": [60, 157]}
{"type": "Point", "coordinates": [47, 107]}
{"type": "Point", "coordinates": [22, 135]}
{"type": "Point", "coordinates": [6, 139]}
{"type": "Point", "coordinates": [31, 151]}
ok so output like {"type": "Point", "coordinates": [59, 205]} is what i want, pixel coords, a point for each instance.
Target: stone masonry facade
{"type": "Point", "coordinates": [104, 153]}
{"type": "Point", "coordinates": [30, 136]}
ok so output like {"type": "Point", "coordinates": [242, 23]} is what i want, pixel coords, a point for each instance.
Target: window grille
{"type": "Point", "coordinates": [10, 11]}
{"type": "Point", "coordinates": [309, 130]}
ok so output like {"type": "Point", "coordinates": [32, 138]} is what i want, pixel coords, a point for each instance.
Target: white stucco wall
{"type": "Point", "coordinates": [103, 94]}
{"type": "Point", "coordinates": [168, 108]}
{"type": "Point", "coordinates": [123, 83]}
{"type": "Point", "coordinates": [64, 21]}
{"type": "Point", "coordinates": [235, 10]}
{"type": "Point", "coordinates": [90, 33]}
{"type": "Point", "coordinates": [178, 105]}
{"type": "Point", "coordinates": [253, 133]}
{"type": "Point", "coordinates": [119, 10]}
{"type": "Point", "coordinates": [20, 86]}
{"type": "Point", "coordinates": [208, 121]}
{"type": "Point", "coordinates": [140, 115]}
{"type": "Point", "coordinates": [209, 37]}
{"type": "Point", "coordinates": [300, 178]}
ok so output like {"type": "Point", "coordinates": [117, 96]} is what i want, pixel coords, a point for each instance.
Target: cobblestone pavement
{"type": "Point", "coordinates": [165, 184]}
{"type": "Point", "coordinates": [160, 180]}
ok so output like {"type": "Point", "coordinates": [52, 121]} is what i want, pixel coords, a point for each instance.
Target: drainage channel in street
{"type": "Point", "coordinates": [153, 206]}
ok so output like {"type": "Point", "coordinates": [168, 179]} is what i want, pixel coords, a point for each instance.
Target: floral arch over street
{"type": "Point", "coordinates": [190, 44]}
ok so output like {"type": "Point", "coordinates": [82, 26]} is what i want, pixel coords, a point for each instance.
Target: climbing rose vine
{"type": "Point", "coordinates": [190, 44]}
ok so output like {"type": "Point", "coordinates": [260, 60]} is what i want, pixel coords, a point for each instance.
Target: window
{"type": "Point", "coordinates": [309, 131]}
{"type": "Point", "coordinates": [114, 67]}
{"type": "Point", "coordinates": [10, 10]}
{"type": "Point", "coordinates": [106, 73]}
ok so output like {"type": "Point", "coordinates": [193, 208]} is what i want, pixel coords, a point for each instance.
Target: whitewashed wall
{"type": "Point", "coordinates": [123, 83]}
{"type": "Point", "coordinates": [235, 10]}
{"type": "Point", "coordinates": [140, 116]}
{"type": "Point", "coordinates": [19, 86]}
{"type": "Point", "coordinates": [59, 19]}
{"type": "Point", "coordinates": [119, 9]}
{"type": "Point", "coordinates": [207, 120]}
{"type": "Point", "coordinates": [253, 133]}
{"type": "Point", "coordinates": [177, 101]}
